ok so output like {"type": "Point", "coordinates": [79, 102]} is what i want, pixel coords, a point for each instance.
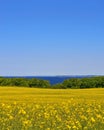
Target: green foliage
{"type": "Point", "coordinates": [24, 82]}
{"type": "Point", "coordinates": [59, 86]}
{"type": "Point", "coordinates": [38, 83]}
{"type": "Point", "coordinates": [92, 82]}
{"type": "Point", "coordinates": [73, 83]}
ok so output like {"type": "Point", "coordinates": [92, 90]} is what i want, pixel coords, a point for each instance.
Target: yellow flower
{"type": "Point", "coordinates": [48, 129]}
{"type": "Point", "coordinates": [99, 116]}
{"type": "Point", "coordinates": [10, 117]}
{"type": "Point", "coordinates": [26, 122]}
{"type": "Point", "coordinates": [14, 103]}
{"type": "Point", "coordinates": [22, 112]}
{"type": "Point", "coordinates": [74, 127]}
{"type": "Point", "coordinates": [3, 104]}
{"type": "Point", "coordinates": [69, 127]}
{"type": "Point", "coordinates": [92, 119]}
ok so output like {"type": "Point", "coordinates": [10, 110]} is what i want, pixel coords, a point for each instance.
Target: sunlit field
{"type": "Point", "coordinates": [51, 109]}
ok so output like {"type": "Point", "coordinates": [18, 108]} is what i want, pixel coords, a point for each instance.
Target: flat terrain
{"type": "Point", "coordinates": [51, 109]}
{"type": "Point", "coordinates": [18, 94]}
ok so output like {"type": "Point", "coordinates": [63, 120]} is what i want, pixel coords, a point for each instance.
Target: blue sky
{"type": "Point", "coordinates": [51, 37]}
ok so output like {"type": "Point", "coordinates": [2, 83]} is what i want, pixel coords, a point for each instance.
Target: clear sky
{"type": "Point", "coordinates": [51, 37]}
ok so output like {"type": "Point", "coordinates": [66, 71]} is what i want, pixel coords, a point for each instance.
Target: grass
{"type": "Point", "coordinates": [51, 109]}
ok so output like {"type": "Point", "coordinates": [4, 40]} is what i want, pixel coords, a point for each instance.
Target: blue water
{"type": "Point", "coordinates": [52, 79]}
{"type": "Point", "coordinates": [56, 79]}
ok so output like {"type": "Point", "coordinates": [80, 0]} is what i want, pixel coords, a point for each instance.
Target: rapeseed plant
{"type": "Point", "coordinates": [69, 114]}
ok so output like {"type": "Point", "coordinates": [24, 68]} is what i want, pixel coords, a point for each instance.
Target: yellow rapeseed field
{"type": "Point", "coordinates": [51, 109]}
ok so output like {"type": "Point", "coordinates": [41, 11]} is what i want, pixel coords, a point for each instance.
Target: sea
{"type": "Point", "coordinates": [52, 79]}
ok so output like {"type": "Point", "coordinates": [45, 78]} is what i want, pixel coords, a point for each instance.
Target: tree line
{"type": "Point", "coordinates": [91, 82]}
{"type": "Point", "coordinates": [73, 83]}
{"type": "Point", "coordinates": [24, 82]}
